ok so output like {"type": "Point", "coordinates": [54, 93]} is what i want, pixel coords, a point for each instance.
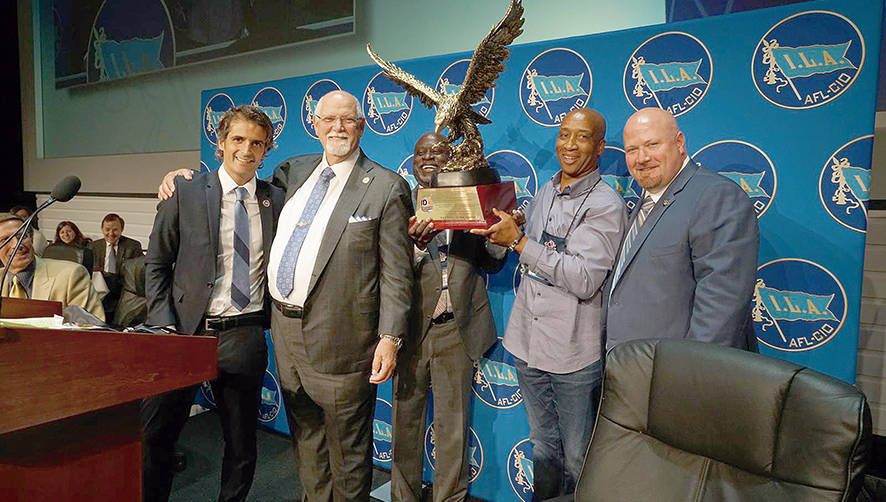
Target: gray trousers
{"type": "Point", "coordinates": [440, 359]}
{"type": "Point", "coordinates": [330, 418]}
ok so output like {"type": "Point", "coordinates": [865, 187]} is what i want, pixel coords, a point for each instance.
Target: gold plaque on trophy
{"type": "Point", "coordinates": [465, 207]}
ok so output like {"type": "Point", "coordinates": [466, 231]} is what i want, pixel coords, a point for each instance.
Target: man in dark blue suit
{"type": "Point", "coordinates": [687, 264]}
{"type": "Point", "coordinates": [205, 274]}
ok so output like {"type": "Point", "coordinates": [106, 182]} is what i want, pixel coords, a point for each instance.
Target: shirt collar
{"type": "Point", "coordinates": [228, 184]}
{"type": "Point", "coordinates": [579, 186]}
{"type": "Point", "coordinates": [658, 193]}
{"type": "Point", "coordinates": [343, 168]}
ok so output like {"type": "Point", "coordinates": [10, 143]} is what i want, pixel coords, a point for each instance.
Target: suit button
{"type": "Point", "coordinates": [208, 284]}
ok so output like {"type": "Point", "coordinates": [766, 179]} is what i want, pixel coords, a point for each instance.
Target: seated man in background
{"type": "Point", "coordinates": [70, 245]}
{"type": "Point", "coordinates": [44, 278]}
{"type": "Point", "coordinates": [109, 254]}
{"type": "Point", "coordinates": [39, 239]}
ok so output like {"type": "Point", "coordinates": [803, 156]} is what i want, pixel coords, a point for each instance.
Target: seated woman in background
{"type": "Point", "coordinates": [70, 245]}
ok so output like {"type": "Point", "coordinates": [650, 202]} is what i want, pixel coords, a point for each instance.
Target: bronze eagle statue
{"type": "Point", "coordinates": [454, 110]}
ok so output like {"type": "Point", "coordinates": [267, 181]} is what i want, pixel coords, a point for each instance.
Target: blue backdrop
{"type": "Point", "coordinates": [779, 100]}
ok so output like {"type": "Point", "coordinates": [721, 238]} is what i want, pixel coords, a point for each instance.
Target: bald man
{"type": "Point", "coordinates": [451, 328]}
{"type": "Point", "coordinates": [573, 227]}
{"type": "Point", "coordinates": [687, 264]}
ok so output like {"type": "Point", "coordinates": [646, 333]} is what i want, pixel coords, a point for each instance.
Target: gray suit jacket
{"type": "Point", "coordinates": [362, 279]}
{"type": "Point", "coordinates": [466, 260]}
{"type": "Point", "coordinates": [126, 248]}
{"type": "Point", "coordinates": [691, 269]}
{"type": "Point", "coordinates": [180, 268]}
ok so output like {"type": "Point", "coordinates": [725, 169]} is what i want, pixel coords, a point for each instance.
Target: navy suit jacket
{"type": "Point", "coordinates": [690, 272]}
{"type": "Point", "coordinates": [180, 268]}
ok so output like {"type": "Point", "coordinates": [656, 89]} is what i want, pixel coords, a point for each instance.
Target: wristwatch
{"type": "Point", "coordinates": [513, 246]}
{"type": "Point", "coordinates": [396, 340]}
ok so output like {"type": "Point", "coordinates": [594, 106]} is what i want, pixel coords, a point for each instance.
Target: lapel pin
{"type": "Point", "coordinates": [366, 180]}
{"type": "Point", "coordinates": [666, 202]}
{"type": "Point", "coordinates": [266, 203]}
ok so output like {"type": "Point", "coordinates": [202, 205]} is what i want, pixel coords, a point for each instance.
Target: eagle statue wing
{"type": "Point", "coordinates": [413, 86]}
{"type": "Point", "coordinates": [489, 58]}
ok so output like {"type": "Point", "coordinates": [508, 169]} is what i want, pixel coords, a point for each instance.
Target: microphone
{"type": "Point", "coordinates": [63, 191]}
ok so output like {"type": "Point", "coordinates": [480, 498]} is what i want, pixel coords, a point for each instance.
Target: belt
{"type": "Point", "coordinates": [444, 317]}
{"type": "Point", "coordinates": [291, 311]}
{"type": "Point", "coordinates": [231, 322]}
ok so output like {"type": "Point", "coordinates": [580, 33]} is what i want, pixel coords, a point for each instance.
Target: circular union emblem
{"type": "Point", "coordinates": [614, 171]}
{"type": "Point", "coordinates": [845, 181]}
{"type": "Point", "coordinates": [450, 82]}
{"type": "Point", "coordinates": [553, 84]}
{"type": "Point", "coordinates": [129, 38]}
{"type": "Point", "coordinates": [212, 115]}
{"type": "Point", "coordinates": [514, 166]}
{"type": "Point", "coordinates": [271, 101]}
{"type": "Point", "coordinates": [382, 432]}
{"type": "Point", "coordinates": [475, 451]}
{"type": "Point", "coordinates": [671, 71]}
{"type": "Point", "coordinates": [745, 164]}
{"type": "Point", "coordinates": [798, 305]}
{"type": "Point", "coordinates": [203, 167]}
{"type": "Point", "coordinates": [309, 103]}
{"type": "Point", "coordinates": [520, 472]}
{"type": "Point", "coordinates": [807, 59]}
{"type": "Point", "coordinates": [386, 106]}
{"type": "Point", "coordinates": [426, 204]}
{"type": "Point", "coordinates": [405, 171]}
{"type": "Point", "coordinates": [206, 391]}
{"type": "Point", "coordinates": [269, 406]}
{"type": "Point", "coordinates": [495, 379]}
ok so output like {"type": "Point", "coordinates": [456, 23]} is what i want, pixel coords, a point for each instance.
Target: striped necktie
{"type": "Point", "coordinates": [240, 290]}
{"type": "Point", "coordinates": [286, 271]}
{"type": "Point", "coordinates": [647, 206]}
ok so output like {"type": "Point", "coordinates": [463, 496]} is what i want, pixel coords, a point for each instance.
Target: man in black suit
{"type": "Point", "coordinates": [109, 255]}
{"type": "Point", "coordinates": [451, 328]}
{"type": "Point", "coordinates": [205, 273]}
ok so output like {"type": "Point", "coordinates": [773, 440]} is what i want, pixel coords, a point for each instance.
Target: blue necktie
{"type": "Point", "coordinates": [286, 271]}
{"type": "Point", "coordinates": [240, 273]}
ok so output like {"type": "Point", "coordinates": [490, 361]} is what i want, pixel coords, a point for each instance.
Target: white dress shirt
{"type": "Point", "coordinates": [220, 300]}
{"type": "Point", "coordinates": [291, 214]}
{"type": "Point", "coordinates": [111, 248]}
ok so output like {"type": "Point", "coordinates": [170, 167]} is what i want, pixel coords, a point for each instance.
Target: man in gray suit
{"type": "Point", "coordinates": [340, 275]}
{"type": "Point", "coordinates": [452, 328]}
{"type": "Point", "coordinates": [205, 273]}
{"type": "Point", "coordinates": [687, 264]}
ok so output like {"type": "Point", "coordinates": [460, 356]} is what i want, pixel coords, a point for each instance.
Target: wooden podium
{"type": "Point", "coordinates": [69, 404]}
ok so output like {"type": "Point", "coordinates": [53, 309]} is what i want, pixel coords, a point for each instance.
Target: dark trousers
{"type": "Point", "coordinates": [330, 417]}
{"type": "Point", "coordinates": [237, 392]}
{"type": "Point", "coordinates": [441, 361]}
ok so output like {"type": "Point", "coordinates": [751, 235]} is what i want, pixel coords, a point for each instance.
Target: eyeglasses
{"type": "Point", "coordinates": [347, 121]}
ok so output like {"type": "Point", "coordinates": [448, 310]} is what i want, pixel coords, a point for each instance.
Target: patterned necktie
{"type": "Point", "coordinates": [17, 290]}
{"type": "Point", "coordinates": [111, 265]}
{"type": "Point", "coordinates": [648, 203]}
{"type": "Point", "coordinates": [240, 273]}
{"type": "Point", "coordinates": [443, 301]}
{"type": "Point", "coordinates": [286, 270]}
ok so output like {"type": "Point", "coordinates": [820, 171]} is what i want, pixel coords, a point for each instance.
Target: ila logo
{"type": "Point", "coordinates": [520, 472]}
{"type": "Point", "coordinates": [614, 171]}
{"type": "Point", "coordinates": [808, 59]}
{"type": "Point", "coordinates": [271, 102]}
{"type": "Point", "coordinates": [128, 38]}
{"type": "Point", "coordinates": [450, 82]}
{"type": "Point", "coordinates": [475, 451]}
{"type": "Point", "coordinates": [213, 113]}
{"type": "Point", "coordinates": [382, 432]}
{"type": "Point", "coordinates": [745, 164]}
{"type": "Point", "coordinates": [798, 305]}
{"type": "Point", "coordinates": [844, 184]}
{"type": "Point", "coordinates": [386, 106]}
{"type": "Point", "coordinates": [495, 379]}
{"type": "Point", "coordinates": [309, 103]}
{"type": "Point", "coordinates": [553, 84]}
{"type": "Point", "coordinates": [671, 71]}
{"type": "Point", "coordinates": [405, 171]}
{"type": "Point", "coordinates": [269, 406]}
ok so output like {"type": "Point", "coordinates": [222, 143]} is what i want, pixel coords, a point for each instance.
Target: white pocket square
{"type": "Point", "coordinates": [357, 219]}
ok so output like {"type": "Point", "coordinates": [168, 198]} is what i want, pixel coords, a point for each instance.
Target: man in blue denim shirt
{"type": "Point", "coordinates": [572, 232]}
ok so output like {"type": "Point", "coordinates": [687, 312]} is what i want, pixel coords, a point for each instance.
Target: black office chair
{"type": "Point", "coordinates": [687, 421]}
